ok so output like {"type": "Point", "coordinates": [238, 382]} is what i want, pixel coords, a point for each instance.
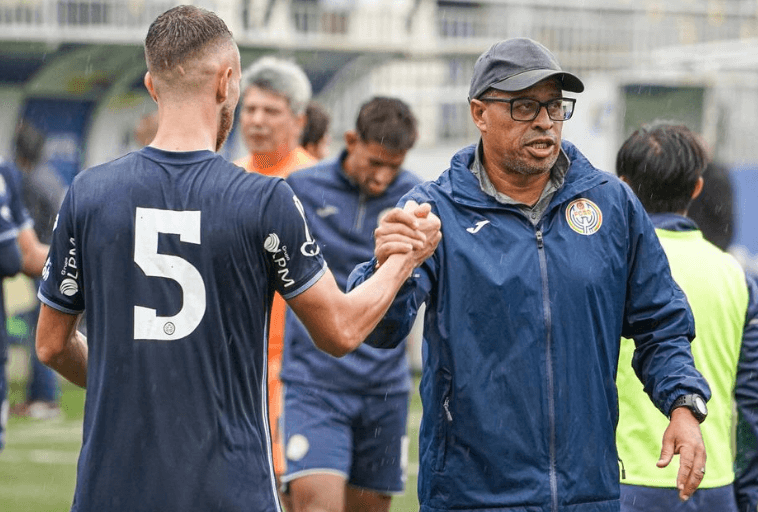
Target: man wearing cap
{"type": "Point", "coordinates": [545, 262]}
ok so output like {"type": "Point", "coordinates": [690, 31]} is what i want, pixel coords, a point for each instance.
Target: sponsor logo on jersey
{"type": "Point", "coordinates": [584, 216]}
{"type": "Point", "coordinates": [271, 244]}
{"type": "Point", "coordinates": [309, 247]}
{"type": "Point", "coordinates": [476, 227]}
{"type": "Point", "coordinates": [69, 287]}
{"type": "Point", "coordinates": [280, 257]}
{"type": "Point", "coordinates": [46, 269]}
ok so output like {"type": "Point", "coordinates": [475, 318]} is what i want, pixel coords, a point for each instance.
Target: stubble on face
{"type": "Point", "coordinates": [226, 119]}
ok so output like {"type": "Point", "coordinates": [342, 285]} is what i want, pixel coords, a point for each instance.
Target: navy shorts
{"type": "Point", "coordinates": [360, 437]}
{"type": "Point", "coordinates": [638, 498]}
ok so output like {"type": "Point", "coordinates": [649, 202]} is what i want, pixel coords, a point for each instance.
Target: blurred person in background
{"type": "Point", "coordinates": [664, 163]}
{"type": "Point", "coordinates": [177, 278]}
{"type": "Point", "coordinates": [42, 192]}
{"type": "Point", "coordinates": [713, 209]}
{"type": "Point", "coordinates": [145, 129]}
{"type": "Point", "coordinates": [316, 138]}
{"type": "Point", "coordinates": [544, 264]}
{"type": "Point", "coordinates": [275, 94]}
{"type": "Point", "coordinates": [12, 261]}
{"type": "Point", "coordinates": [345, 419]}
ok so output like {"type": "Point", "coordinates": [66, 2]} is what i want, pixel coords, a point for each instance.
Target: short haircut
{"type": "Point", "coordinates": [282, 77]}
{"type": "Point", "coordinates": [181, 34]}
{"type": "Point", "coordinates": [317, 121]}
{"type": "Point", "coordinates": [389, 122]}
{"type": "Point", "coordinates": [29, 142]}
{"type": "Point", "coordinates": [662, 163]}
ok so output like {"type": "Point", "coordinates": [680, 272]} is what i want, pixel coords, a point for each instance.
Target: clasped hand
{"type": "Point", "coordinates": [413, 230]}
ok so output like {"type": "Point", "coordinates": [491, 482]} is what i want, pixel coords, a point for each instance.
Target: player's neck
{"type": "Point", "coordinates": [183, 129]}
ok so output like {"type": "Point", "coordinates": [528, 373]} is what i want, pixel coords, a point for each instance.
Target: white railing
{"type": "Point", "coordinates": [589, 35]}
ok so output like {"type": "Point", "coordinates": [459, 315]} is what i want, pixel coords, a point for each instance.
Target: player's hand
{"type": "Point", "coordinates": [683, 437]}
{"type": "Point", "coordinates": [410, 229]}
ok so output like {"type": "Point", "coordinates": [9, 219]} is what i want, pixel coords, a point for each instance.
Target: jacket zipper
{"type": "Point", "coordinates": [549, 360]}
{"type": "Point", "coordinates": [361, 212]}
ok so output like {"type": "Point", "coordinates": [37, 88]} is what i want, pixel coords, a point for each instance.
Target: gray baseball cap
{"type": "Point", "coordinates": [517, 64]}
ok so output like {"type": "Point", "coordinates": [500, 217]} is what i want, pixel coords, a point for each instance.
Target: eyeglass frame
{"type": "Point", "coordinates": [537, 113]}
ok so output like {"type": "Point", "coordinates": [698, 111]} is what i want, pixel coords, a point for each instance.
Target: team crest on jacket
{"type": "Point", "coordinates": [584, 216]}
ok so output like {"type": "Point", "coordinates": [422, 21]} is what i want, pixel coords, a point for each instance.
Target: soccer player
{"type": "Point", "coordinates": [176, 253]}
{"type": "Point", "coordinates": [349, 455]}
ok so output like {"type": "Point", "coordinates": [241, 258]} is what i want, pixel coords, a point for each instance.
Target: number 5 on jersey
{"type": "Point", "coordinates": [148, 223]}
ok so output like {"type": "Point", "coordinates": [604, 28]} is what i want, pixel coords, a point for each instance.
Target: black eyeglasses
{"type": "Point", "coordinates": [526, 109]}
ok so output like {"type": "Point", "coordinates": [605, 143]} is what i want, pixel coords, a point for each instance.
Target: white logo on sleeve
{"type": "Point", "coordinates": [69, 287]}
{"type": "Point", "coordinates": [476, 227]}
{"type": "Point", "coordinates": [271, 244]}
{"type": "Point", "coordinates": [46, 270]}
{"type": "Point", "coordinates": [310, 247]}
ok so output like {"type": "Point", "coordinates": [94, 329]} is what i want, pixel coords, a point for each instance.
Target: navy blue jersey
{"type": "Point", "coordinates": [176, 258]}
{"type": "Point", "coordinates": [343, 220]}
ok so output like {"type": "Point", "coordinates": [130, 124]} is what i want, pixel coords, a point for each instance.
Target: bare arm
{"type": "Point", "coordinates": [338, 322]}
{"type": "Point", "coordinates": [60, 346]}
{"type": "Point", "coordinates": [33, 253]}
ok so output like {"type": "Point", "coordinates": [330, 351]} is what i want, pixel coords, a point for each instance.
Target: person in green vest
{"type": "Point", "coordinates": [663, 163]}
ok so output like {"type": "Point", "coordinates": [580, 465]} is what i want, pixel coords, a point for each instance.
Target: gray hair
{"type": "Point", "coordinates": [282, 77]}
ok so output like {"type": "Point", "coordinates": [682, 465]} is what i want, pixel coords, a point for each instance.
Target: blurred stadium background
{"type": "Point", "coordinates": [75, 68]}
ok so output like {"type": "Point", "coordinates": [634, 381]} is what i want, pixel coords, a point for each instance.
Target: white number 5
{"type": "Point", "coordinates": [147, 224]}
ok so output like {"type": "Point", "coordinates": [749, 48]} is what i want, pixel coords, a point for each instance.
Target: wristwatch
{"type": "Point", "coordinates": [694, 403]}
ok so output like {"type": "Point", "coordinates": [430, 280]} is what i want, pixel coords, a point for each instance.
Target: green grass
{"type": "Point", "coordinates": [38, 466]}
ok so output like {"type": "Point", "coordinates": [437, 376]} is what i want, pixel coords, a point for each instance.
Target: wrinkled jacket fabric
{"type": "Point", "coordinates": [521, 332]}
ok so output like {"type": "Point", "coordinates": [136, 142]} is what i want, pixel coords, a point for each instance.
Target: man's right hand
{"type": "Point", "coordinates": [412, 229]}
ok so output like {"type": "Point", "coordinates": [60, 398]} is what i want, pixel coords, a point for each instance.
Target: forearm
{"type": "Point", "coordinates": [338, 323]}
{"type": "Point", "coordinates": [60, 346]}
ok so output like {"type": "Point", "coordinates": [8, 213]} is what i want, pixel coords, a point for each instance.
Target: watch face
{"type": "Point", "coordinates": [700, 405]}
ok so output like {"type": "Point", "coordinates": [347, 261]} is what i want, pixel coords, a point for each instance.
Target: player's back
{"type": "Point", "coordinates": [176, 287]}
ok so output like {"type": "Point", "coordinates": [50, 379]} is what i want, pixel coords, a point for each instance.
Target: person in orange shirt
{"type": "Point", "coordinates": [272, 117]}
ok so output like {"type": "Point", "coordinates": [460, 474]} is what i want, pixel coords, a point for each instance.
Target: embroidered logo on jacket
{"type": "Point", "coordinates": [584, 216]}
{"type": "Point", "coordinates": [479, 225]}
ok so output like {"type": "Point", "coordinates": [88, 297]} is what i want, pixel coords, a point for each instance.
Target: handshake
{"type": "Point", "coordinates": [412, 232]}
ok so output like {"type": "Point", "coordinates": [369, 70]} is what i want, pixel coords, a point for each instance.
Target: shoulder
{"type": "Point", "coordinates": [324, 173]}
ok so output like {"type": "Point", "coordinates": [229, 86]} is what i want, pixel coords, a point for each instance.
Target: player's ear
{"type": "Point", "coordinates": [148, 80]}
{"type": "Point", "coordinates": [224, 78]}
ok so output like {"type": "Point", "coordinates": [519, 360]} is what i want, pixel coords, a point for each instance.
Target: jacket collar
{"type": "Point", "coordinates": [466, 189]}
{"type": "Point", "coordinates": [673, 222]}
